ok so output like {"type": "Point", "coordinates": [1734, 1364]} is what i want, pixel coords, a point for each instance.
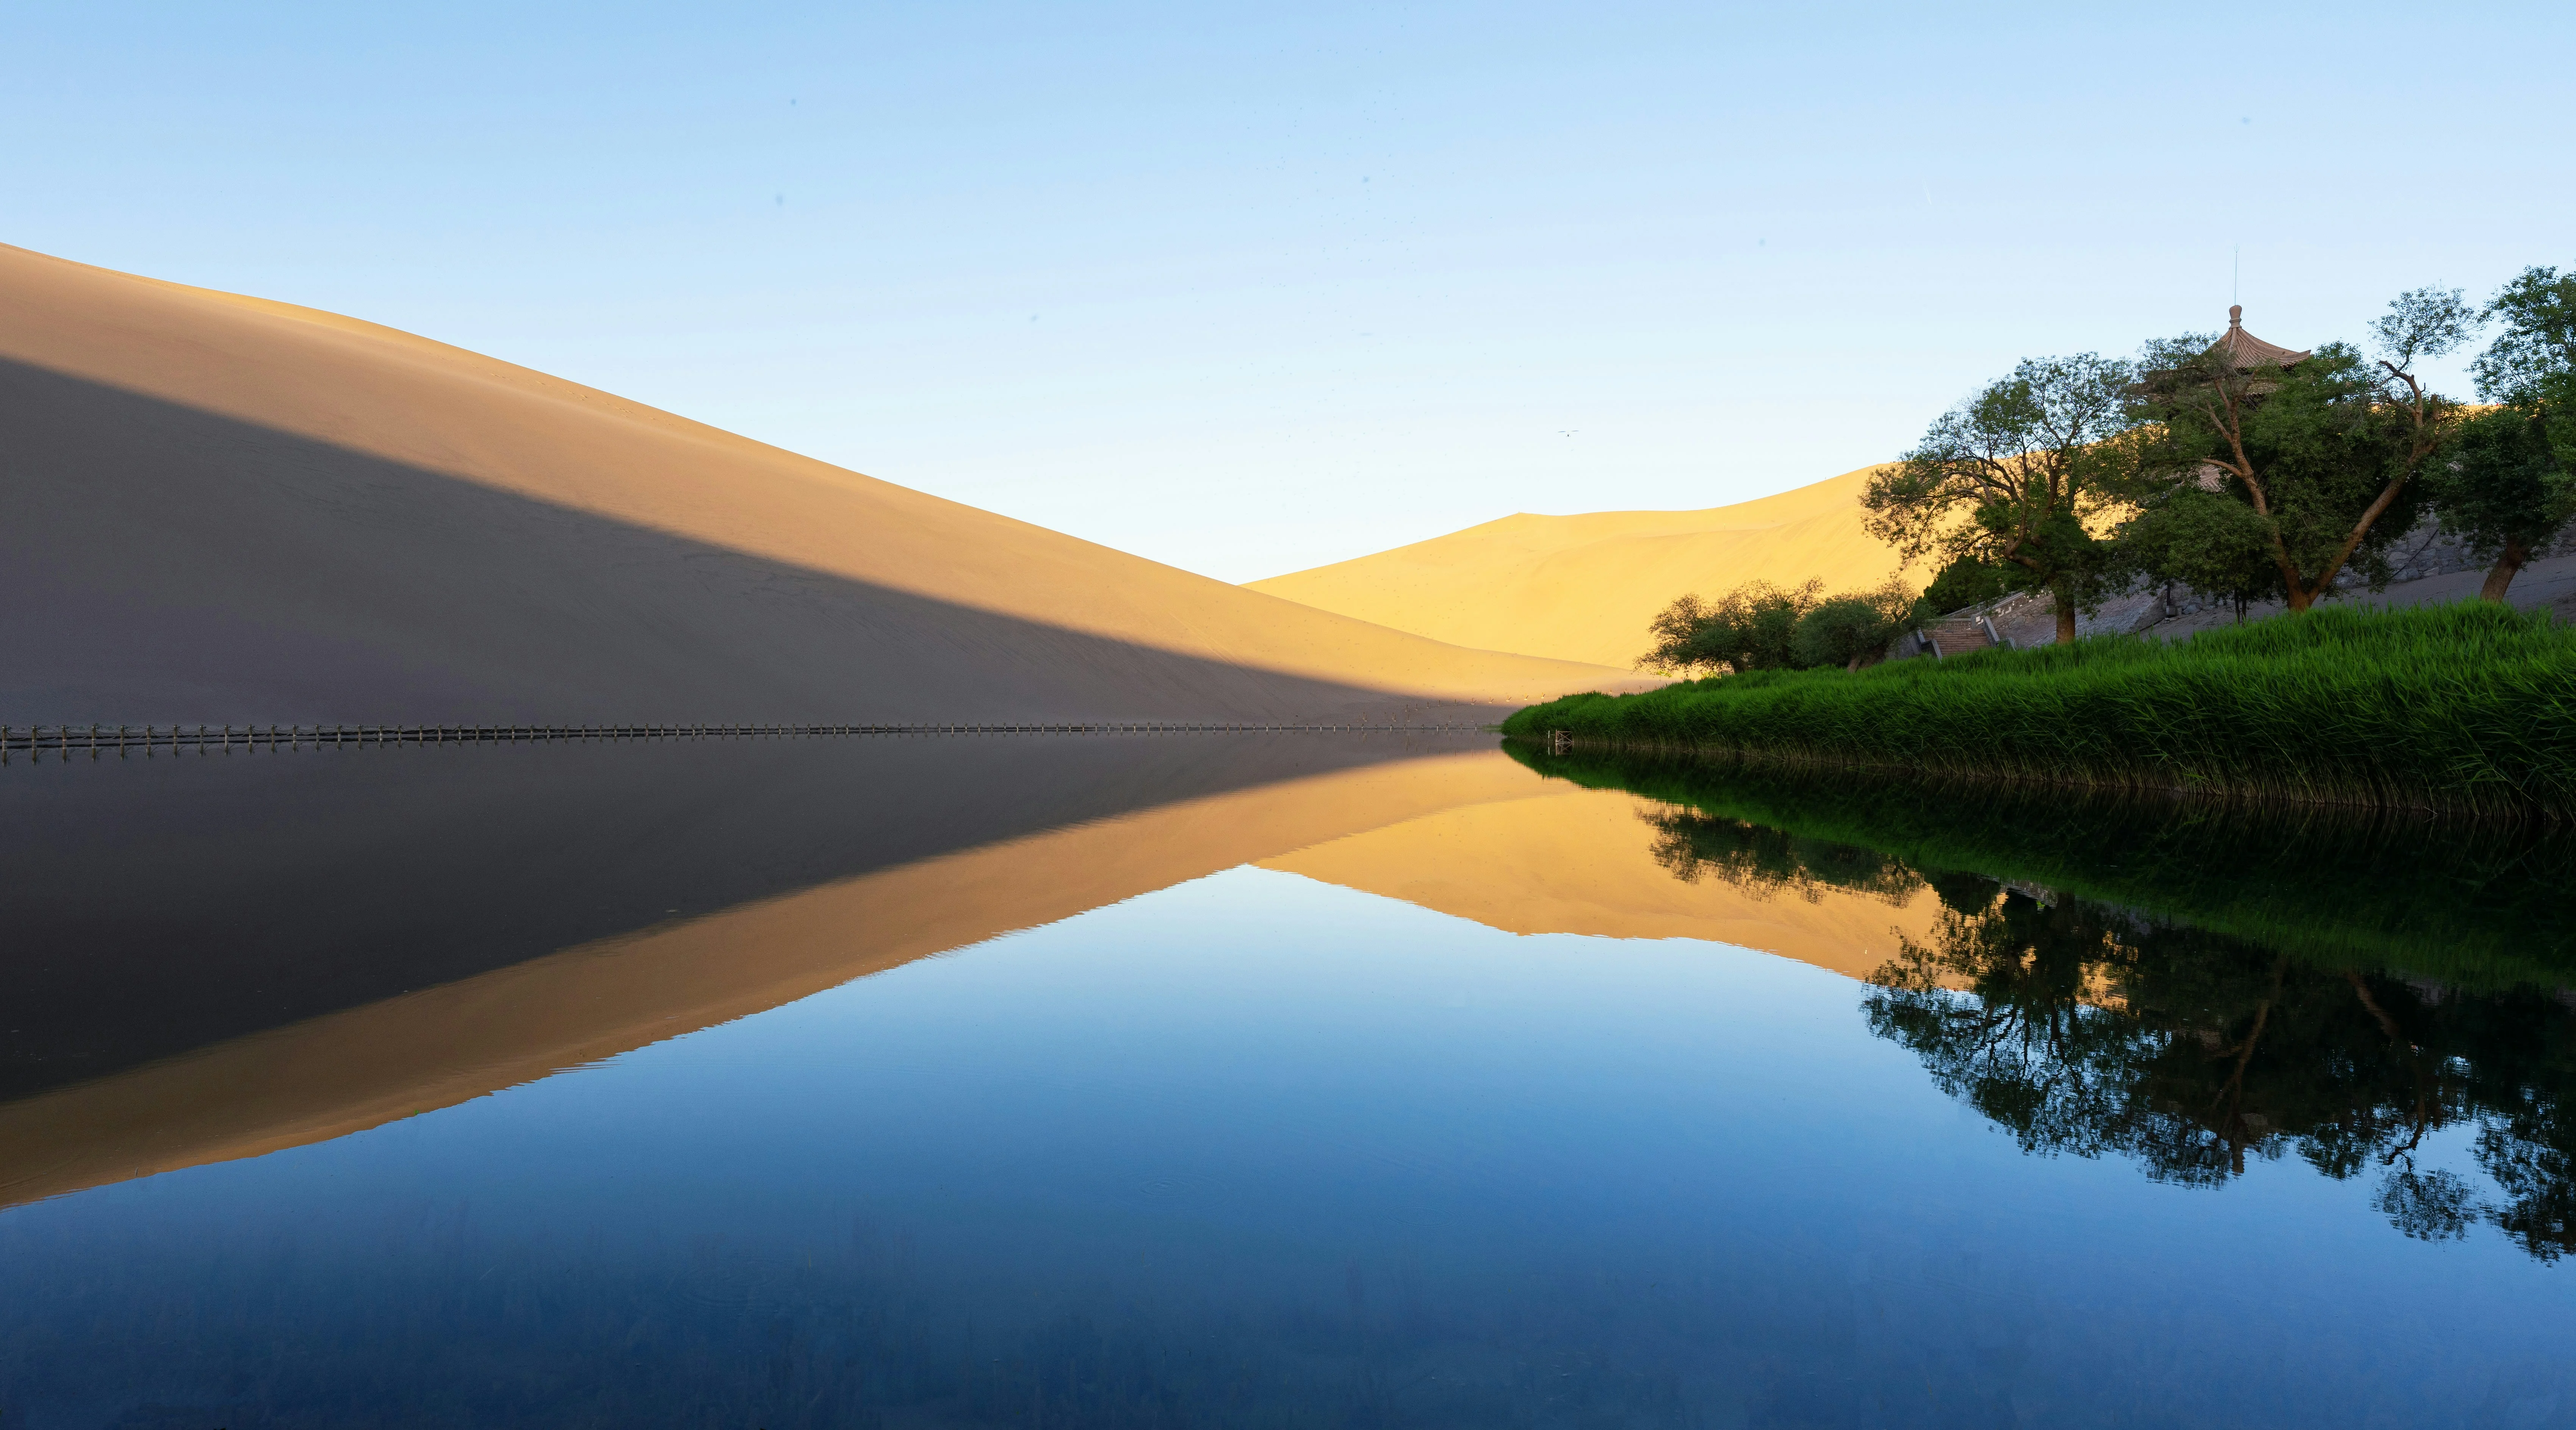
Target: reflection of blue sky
{"type": "Point", "coordinates": [1133, 269]}
{"type": "Point", "coordinates": [1324, 1130]}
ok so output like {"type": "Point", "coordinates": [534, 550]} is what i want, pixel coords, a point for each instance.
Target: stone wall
{"type": "Point", "coordinates": [2421, 552]}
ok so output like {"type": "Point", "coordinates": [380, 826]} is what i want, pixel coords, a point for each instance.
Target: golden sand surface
{"type": "Point", "coordinates": [1584, 587]}
{"type": "Point", "coordinates": [1563, 859]}
{"type": "Point", "coordinates": [225, 508]}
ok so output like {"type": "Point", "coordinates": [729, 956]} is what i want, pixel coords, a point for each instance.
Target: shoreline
{"type": "Point", "coordinates": [2463, 710]}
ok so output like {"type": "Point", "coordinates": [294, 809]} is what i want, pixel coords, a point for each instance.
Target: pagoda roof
{"type": "Point", "coordinates": [2248, 351]}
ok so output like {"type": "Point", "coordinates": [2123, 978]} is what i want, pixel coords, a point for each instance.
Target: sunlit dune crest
{"type": "Point", "coordinates": [1573, 860]}
{"type": "Point", "coordinates": [1584, 587]}
{"type": "Point", "coordinates": [227, 508]}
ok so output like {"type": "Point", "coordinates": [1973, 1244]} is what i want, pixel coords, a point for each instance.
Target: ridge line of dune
{"type": "Point", "coordinates": [299, 376]}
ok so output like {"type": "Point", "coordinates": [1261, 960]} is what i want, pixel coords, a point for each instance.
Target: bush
{"type": "Point", "coordinates": [1851, 631]}
{"type": "Point", "coordinates": [1748, 628]}
{"type": "Point", "coordinates": [1759, 626]}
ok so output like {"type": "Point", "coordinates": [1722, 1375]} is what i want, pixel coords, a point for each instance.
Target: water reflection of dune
{"type": "Point", "coordinates": [362, 1066]}
{"type": "Point", "coordinates": [1572, 860]}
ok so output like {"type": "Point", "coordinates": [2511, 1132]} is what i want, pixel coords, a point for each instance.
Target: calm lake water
{"type": "Point", "coordinates": [1258, 1081]}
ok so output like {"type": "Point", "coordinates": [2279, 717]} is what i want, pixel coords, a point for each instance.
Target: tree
{"type": "Point", "coordinates": [2204, 540]}
{"type": "Point", "coordinates": [2322, 452]}
{"type": "Point", "coordinates": [1966, 581]}
{"type": "Point", "coordinates": [2509, 483]}
{"type": "Point", "coordinates": [1852, 631]}
{"type": "Point", "coordinates": [2503, 490]}
{"type": "Point", "coordinates": [1748, 628]}
{"type": "Point", "coordinates": [2020, 475]}
{"type": "Point", "coordinates": [1678, 649]}
{"type": "Point", "coordinates": [2532, 363]}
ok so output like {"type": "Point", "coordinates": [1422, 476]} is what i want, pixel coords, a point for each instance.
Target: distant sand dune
{"type": "Point", "coordinates": [222, 508]}
{"type": "Point", "coordinates": [1584, 587]}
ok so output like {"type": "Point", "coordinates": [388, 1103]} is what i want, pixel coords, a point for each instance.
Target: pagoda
{"type": "Point", "coordinates": [2247, 351]}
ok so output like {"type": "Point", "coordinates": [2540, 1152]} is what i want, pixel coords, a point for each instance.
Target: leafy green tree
{"type": "Point", "coordinates": [1749, 628]}
{"type": "Point", "coordinates": [1851, 631]}
{"type": "Point", "coordinates": [2323, 452]}
{"type": "Point", "coordinates": [1966, 580]}
{"type": "Point", "coordinates": [2532, 363]}
{"type": "Point", "coordinates": [1678, 648]}
{"type": "Point", "coordinates": [2019, 476]}
{"type": "Point", "coordinates": [2509, 483]}
{"type": "Point", "coordinates": [2502, 488]}
{"type": "Point", "coordinates": [2205, 540]}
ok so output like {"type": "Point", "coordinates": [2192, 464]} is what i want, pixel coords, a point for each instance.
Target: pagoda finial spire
{"type": "Point", "coordinates": [2236, 315]}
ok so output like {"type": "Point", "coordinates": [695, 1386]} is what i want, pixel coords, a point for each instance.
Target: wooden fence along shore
{"type": "Point", "coordinates": [222, 739]}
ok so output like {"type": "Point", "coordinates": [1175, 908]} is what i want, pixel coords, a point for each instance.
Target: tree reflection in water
{"type": "Point", "coordinates": [2082, 1029]}
{"type": "Point", "coordinates": [1764, 861]}
{"type": "Point", "coordinates": [2088, 1028]}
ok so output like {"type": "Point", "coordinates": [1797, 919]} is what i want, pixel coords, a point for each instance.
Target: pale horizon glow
{"type": "Point", "coordinates": [1250, 292]}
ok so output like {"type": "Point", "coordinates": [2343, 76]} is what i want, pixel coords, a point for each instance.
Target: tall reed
{"type": "Point", "coordinates": [2468, 707]}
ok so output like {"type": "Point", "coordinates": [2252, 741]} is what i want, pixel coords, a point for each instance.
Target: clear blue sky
{"type": "Point", "coordinates": [1250, 290]}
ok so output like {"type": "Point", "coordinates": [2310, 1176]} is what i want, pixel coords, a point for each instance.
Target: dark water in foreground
{"type": "Point", "coordinates": [1256, 1081]}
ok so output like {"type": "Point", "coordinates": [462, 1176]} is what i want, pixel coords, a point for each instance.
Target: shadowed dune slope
{"type": "Point", "coordinates": [357, 1067]}
{"type": "Point", "coordinates": [1584, 587]}
{"type": "Point", "coordinates": [1568, 860]}
{"type": "Point", "coordinates": [223, 509]}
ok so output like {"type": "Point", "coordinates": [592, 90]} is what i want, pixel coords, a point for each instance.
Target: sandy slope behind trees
{"type": "Point", "coordinates": [1584, 587]}
{"type": "Point", "coordinates": [224, 509]}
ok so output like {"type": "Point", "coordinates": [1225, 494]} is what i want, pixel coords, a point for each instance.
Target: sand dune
{"type": "Point", "coordinates": [224, 509]}
{"type": "Point", "coordinates": [1584, 587]}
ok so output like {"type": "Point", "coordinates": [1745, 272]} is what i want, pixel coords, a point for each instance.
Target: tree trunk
{"type": "Point", "coordinates": [2300, 600]}
{"type": "Point", "coordinates": [2508, 563]}
{"type": "Point", "coordinates": [2060, 593]}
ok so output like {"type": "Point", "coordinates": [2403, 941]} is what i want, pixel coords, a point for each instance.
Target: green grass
{"type": "Point", "coordinates": [2468, 707]}
{"type": "Point", "coordinates": [2470, 902]}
